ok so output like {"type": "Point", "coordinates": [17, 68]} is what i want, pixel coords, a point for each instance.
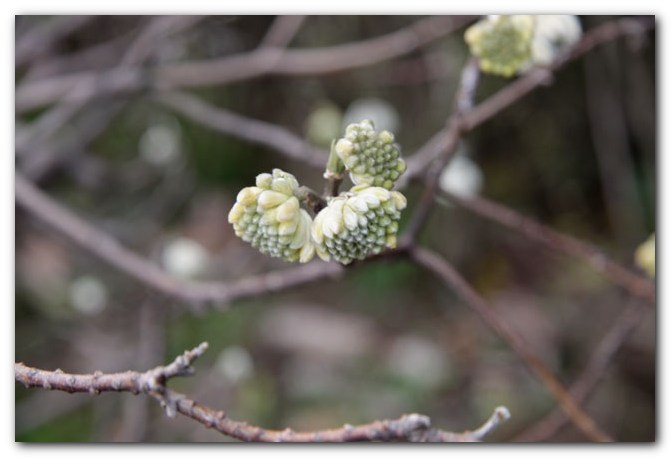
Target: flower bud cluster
{"type": "Point", "coordinates": [502, 43]}
{"type": "Point", "coordinates": [269, 217]}
{"type": "Point", "coordinates": [370, 157]}
{"type": "Point", "coordinates": [358, 223]}
{"type": "Point", "coordinates": [513, 44]}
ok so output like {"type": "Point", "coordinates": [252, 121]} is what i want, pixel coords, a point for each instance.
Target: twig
{"type": "Point", "coordinates": [310, 199]}
{"type": "Point", "coordinates": [500, 415]}
{"type": "Point", "coordinates": [295, 62]}
{"type": "Point", "coordinates": [41, 162]}
{"type": "Point", "coordinates": [594, 371]}
{"type": "Point", "coordinates": [446, 272]}
{"type": "Point", "coordinates": [470, 76]}
{"type": "Point", "coordinates": [252, 130]}
{"type": "Point", "coordinates": [592, 256]}
{"type": "Point", "coordinates": [140, 50]}
{"type": "Point", "coordinates": [306, 62]}
{"type": "Point", "coordinates": [411, 428]}
{"type": "Point", "coordinates": [196, 294]}
{"type": "Point", "coordinates": [41, 38]}
{"type": "Point", "coordinates": [282, 31]}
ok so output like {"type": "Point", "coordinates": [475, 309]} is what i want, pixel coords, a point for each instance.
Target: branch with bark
{"type": "Point", "coordinates": [408, 428]}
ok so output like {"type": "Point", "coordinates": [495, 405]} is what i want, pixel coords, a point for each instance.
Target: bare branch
{"type": "Point", "coordinates": [252, 130]}
{"type": "Point", "coordinates": [307, 62]}
{"type": "Point", "coordinates": [446, 272]}
{"type": "Point", "coordinates": [140, 50]}
{"type": "Point", "coordinates": [41, 38]}
{"type": "Point", "coordinates": [74, 87]}
{"type": "Point", "coordinates": [40, 162]}
{"type": "Point", "coordinates": [592, 256]}
{"type": "Point", "coordinates": [197, 294]}
{"type": "Point", "coordinates": [411, 428]}
{"type": "Point", "coordinates": [449, 142]}
{"type": "Point", "coordinates": [594, 371]}
{"type": "Point", "coordinates": [283, 29]}
{"type": "Point", "coordinates": [500, 415]}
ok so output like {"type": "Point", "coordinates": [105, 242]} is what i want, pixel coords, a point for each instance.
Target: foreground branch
{"type": "Point", "coordinates": [410, 428]}
{"type": "Point", "coordinates": [445, 272]}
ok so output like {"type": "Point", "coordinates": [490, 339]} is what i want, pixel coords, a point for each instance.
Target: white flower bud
{"type": "Point", "coordinates": [502, 43]}
{"type": "Point", "coordinates": [264, 180]}
{"type": "Point", "coordinates": [357, 224]}
{"type": "Point", "coordinates": [554, 34]}
{"type": "Point", "coordinates": [371, 158]}
{"type": "Point", "coordinates": [270, 218]}
{"type": "Point", "coordinates": [513, 44]}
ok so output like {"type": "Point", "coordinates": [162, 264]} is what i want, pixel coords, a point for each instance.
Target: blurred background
{"type": "Point", "coordinates": [387, 338]}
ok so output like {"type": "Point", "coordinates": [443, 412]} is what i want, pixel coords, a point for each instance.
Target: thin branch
{"type": "Point", "coordinates": [310, 62]}
{"type": "Point", "coordinates": [283, 29]}
{"type": "Point", "coordinates": [470, 77]}
{"type": "Point", "coordinates": [252, 130]}
{"type": "Point", "coordinates": [633, 282]}
{"type": "Point", "coordinates": [446, 272]}
{"type": "Point", "coordinates": [196, 294]}
{"type": "Point", "coordinates": [262, 61]}
{"type": "Point", "coordinates": [411, 428]}
{"type": "Point", "coordinates": [41, 38]}
{"type": "Point", "coordinates": [39, 163]}
{"type": "Point", "coordinates": [594, 371]}
{"type": "Point", "coordinates": [138, 51]}
{"type": "Point", "coordinates": [71, 88]}
{"type": "Point", "coordinates": [500, 415]}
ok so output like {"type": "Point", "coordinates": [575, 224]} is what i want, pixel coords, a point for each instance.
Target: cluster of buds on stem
{"type": "Point", "coordinates": [269, 217]}
{"type": "Point", "coordinates": [358, 223]}
{"type": "Point", "coordinates": [370, 157]}
{"type": "Point", "coordinates": [351, 226]}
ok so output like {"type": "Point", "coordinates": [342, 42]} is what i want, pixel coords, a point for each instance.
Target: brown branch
{"type": "Point", "coordinates": [251, 130]}
{"type": "Point", "coordinates": [592, 256]}
{"type": "Point", "coordinates": [310, 62]}
{"type": "Point", "coordinates": [138, 51]}
{"type": "Point", "coordinates": [282, 31]}
{"type": "Point", "coordinates": [449, 141]}
{"type": "Point", "coordinates": [197, 294]}
{"type": "Point", "coordinates": [262, 61]}
{"type": "Point", "coordinates": [446, 272]}
{"type": "Point", "coordinates": [42, 38]}
{"type": "Point", "coordinates": [411, 428]}
{"type": "Point", "coordinates": [594, 371]}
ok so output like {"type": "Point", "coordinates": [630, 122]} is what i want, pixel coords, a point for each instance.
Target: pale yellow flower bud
{"type": "Point", "coordinates": [357, 224]}
{"type": "Point", "coordinates": [269, 217]}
